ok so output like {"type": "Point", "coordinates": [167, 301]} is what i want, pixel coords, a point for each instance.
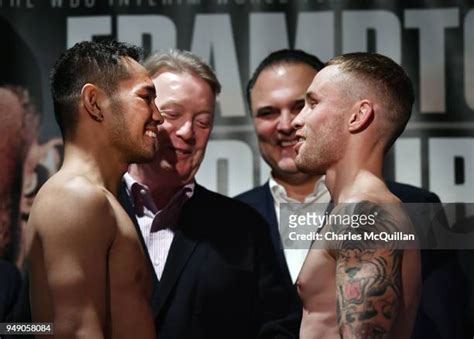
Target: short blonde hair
{"type": "Point", "coordinates": [389, 80]}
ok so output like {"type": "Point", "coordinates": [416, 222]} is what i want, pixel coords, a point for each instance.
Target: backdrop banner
{"type": "Point", "coordinates": [433, 40]}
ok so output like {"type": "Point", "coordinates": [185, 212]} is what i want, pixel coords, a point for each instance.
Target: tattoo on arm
{"type": "Point", "coordinates": [368, 292]}
{"type": "Point", "coordinates": [368, 285]}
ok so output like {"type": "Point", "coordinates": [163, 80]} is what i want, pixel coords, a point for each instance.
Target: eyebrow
{"type": "Point", "coordinates": [170, 102]}
{"type": "Point", "coordinates": [205, 113]}
{"type": "Point", "coordinates": [264, 107]}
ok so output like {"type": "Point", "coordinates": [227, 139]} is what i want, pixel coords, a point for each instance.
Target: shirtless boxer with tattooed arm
{"type": "Point", "coordinates": [354, 110]}
{"type": "Point", "coordinates": [88, 271]}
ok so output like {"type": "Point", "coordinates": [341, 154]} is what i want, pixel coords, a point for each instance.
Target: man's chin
{"type": "Point", "coordinates": [186, 177]}
{"type": "Point", "coordinates": [287, 166]}
{"type": "Point", "coordinates": [309, 168]}
{"type": "Point", "coordinates": [302, 166]}
{"type": "Point", "coordinates": [142, 158]}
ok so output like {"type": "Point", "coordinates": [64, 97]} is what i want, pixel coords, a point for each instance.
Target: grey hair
{"type": "Point", "coordinates": [182, 62]}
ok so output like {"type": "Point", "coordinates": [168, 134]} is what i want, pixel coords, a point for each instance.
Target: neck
{"type": "Point", "coordinates": [105, 171]}
{"type": "Point", "coordinates": [353, 175]}
{"type": "Point", "coordinates": [298, 186]}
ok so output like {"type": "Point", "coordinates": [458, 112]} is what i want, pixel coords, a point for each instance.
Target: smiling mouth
{"type": "Point", "coordinates": [150, 134]}
{"type": "Point", "coordinates": [300, 141]}
{"type": "Point", "coordinates": [288, 143]}
{"type": "Point", "coordinates": [179, 151]}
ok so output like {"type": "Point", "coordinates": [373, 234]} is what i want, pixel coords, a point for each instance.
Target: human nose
{"type": "Point", "coordinates": [284, 122]}
{"type": "Point", "coordinates": [156, 114]}
{"type": "Point", "coordinates": [298, 121]}
{"type": "Point", "coordinates": [185, 131]}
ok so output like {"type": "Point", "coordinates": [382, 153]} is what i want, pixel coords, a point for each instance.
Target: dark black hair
{"type": "Point", "coordinates": [99, 63]}
{"type": "Point", "coordinates": [290, 56]}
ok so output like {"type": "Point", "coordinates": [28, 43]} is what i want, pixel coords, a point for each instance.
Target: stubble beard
{"type": "Point", "coordinates": [308, 160]}
{"type": "Point", "coordinates": [316, 156]}
{"type": "Point", "coordinates": [122, 138]}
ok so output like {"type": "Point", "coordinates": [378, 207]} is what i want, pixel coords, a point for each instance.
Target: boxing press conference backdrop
{"type": "Point", "coordinates": [433, 40]}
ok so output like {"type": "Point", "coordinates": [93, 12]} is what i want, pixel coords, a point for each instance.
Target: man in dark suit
{"type": "Point", "coordinates": [275, 95]}
{"type": "Point", "coordinates": [215, 272]}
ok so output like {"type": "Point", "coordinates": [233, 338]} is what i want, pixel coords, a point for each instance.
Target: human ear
{"type": "Point", "coordinates": [90, 98]}
{"type": "Point", "coordinates": [362, 117]}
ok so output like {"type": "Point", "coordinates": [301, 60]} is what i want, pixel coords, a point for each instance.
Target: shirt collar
{"type": "Point", "coordinates": [280, 195]}
{"type": "Point", "coordinates": [140, 196]}
{"type": "Point", "coordinates": [129, 181]}
{"type": "Point", "coordinates": [143, 202]}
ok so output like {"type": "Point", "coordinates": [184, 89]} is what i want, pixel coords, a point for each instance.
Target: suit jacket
{"type": "Point", "coordinates": [220, 279]}
{"type": "Point", "coordinates": [442, 305]}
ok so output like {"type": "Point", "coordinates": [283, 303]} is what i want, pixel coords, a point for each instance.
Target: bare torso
{"type": "Point", "coordinates": [92, 283]}
{"type": "Point", "coordinates": [317, 287]}
{"type": "Point", "coordinates": [317, 290]}
{"type": "Point", "coordinates": [130, 282]}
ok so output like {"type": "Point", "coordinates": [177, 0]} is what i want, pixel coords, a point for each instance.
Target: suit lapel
{"type": "Point", "coordinates": [270, 209]}
{"type": "Point", "coordinates": [126, 203]}
{"type": "Point", "coordinates": [180, 251]}
{"type": "Point", "coordinates": [274, 230]}
{"type": "Point", "coordinates": [267, 205]}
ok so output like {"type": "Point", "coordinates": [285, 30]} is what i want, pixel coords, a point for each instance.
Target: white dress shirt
{"type": "Point", "coordinates": [156, 226]}
{"type": "Point", "coordinates": [295, 257]}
